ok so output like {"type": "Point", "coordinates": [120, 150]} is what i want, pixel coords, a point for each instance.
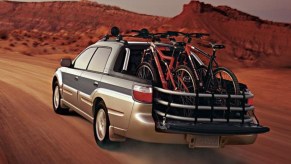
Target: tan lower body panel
{"type": "Point", "coordinates": [142, 128]}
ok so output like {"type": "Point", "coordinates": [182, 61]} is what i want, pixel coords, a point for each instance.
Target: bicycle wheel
{"type": "Point", "coordinates": [147, 72]}
{"type": "Point", "coordinates": [227, 82]}
{"type": "Point", "coordinates": [201, 72]}
{"type": "Point", "coordinates": [185, 83]}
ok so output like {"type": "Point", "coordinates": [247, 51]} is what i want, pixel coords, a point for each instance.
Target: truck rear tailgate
{"type": "Point", "coordinates": [199, 113]}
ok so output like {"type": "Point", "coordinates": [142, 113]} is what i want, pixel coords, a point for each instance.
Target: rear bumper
{"type": "Point", "coordinates": [142, 127]}
{"type": "Point", "coordinates": [210, 128]}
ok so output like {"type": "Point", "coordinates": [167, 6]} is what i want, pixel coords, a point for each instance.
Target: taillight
{"type": "Point", "coordinates": [251, 101]}
{"type": "Point", "coordinates": [142, 93]}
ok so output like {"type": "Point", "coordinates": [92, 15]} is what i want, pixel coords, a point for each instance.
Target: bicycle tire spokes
{"type": "Point", "coordinates": [225, 85]}
{"type": "Point", "coordinates": [185, 83]}
{"type": "Point", "coordinates": [145, 72]}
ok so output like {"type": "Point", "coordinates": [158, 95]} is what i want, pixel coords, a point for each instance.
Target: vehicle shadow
{"type": "Point", "coordinates": [133, 151]}
{"type": "Point", "coordinates": [168, 153]}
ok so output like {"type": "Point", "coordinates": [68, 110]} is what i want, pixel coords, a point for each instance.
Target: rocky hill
{"type": "Point", "coordinates": [70, 16]}
{"type": "Point", "coordinates": [67, 27]}
{"type": "Point", "coordinates": [34, 28]}
{"type": "Point", "coordinates": [248, 39]}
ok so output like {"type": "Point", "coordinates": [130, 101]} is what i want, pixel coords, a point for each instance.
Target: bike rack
{"type": "Point", "coordinates": [196, 107]}
{"type": "Point", "coordinates": [166, 103]}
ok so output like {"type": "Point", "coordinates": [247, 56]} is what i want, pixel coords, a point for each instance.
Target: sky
{"type": "Point", "coordinates": [274, 10]}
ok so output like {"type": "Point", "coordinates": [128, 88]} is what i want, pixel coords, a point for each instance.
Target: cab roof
{"type": "Point", "coordinates": [113, 43]}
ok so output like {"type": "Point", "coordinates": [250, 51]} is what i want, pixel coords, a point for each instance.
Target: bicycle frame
{"type": "Point", "coordinates": [157, 53]}
{"type": "Point", "coordinates": [209, 74]}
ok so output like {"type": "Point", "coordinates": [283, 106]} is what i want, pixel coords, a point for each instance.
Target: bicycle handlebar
{"type": "Point", "coordinates": [187, 35]}
{"type": "Point", "coordinates": [144, 33]}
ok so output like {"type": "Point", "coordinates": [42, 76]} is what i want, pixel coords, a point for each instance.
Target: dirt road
{"type": "Point", "coordinates": [30, 132]}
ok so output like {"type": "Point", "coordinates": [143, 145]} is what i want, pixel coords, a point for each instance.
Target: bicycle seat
{"type": "Point", "coordinates": [180, 44]}
{"type": "Point", "coordinates": [217, 46]}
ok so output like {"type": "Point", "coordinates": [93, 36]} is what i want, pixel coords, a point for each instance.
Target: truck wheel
{"type": "Point", "coordinates": [101, 125]}
{"type": "Point", "coordinates": [57, 100]}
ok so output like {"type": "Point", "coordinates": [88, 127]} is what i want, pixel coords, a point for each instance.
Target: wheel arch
{"type": "Point", "coordinates": [96, 101]}
{"type": "Point", "coordinates": [57, 78]}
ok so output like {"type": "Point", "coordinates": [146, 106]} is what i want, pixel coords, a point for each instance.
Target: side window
{"type": "Point", "coordinates": [99, 59]}
{"type": "Point", "coordinates": [83, 60]}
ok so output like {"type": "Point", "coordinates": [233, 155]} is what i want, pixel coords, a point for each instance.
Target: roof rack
{"type": "Point", "coordinates": [143, 33]}
{"type": "Point", "coordinates": [115, 32]}
{"type": "Point", "coordinates": [155, 37]}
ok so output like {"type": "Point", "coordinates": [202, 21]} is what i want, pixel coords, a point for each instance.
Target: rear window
{"type": "Point", "coordinates": [129, 59]}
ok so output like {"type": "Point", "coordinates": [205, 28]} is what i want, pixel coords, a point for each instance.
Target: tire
{"type": "Point", "coordinates": [201, 72]}
{"type": "Point", "coordinates": [226, 83]}
{"type": "Point", "coordinates": [146, 71]}
{"type": "Point", "coordinates": [226, 80]}
{"type": "Point", "coordinates": [189, 79]}
{"type": "Point", "coordinates": [185, 74]}
{"type": "Point", "coordinates": [56, 99]}
{"type": "Point", "coordinates": [101, 125]}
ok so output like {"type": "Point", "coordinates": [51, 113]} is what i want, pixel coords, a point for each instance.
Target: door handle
{"type": "Point", "coordinates": [95, 83]}
{"type": "Point", "coordinates": [76, 78]}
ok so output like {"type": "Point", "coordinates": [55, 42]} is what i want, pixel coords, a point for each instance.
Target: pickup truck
{"type": "Point", "coordinates": [101, 85]}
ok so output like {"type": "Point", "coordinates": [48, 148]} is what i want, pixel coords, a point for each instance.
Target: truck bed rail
{"type": "Point", "coordinates": [207, 113]}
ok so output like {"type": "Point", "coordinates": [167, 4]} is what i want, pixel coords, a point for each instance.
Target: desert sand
{"type": "Point", "coordinates": [30, 132]}
{"type": "Point", "coordinates": [35, 36]}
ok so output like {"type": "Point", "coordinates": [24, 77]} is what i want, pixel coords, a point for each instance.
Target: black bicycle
{"type": "Point", "coordinates": [211, 78]}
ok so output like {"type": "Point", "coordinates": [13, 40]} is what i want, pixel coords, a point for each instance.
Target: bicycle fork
{"type": "Point", "coordinates": [199, 81]}
{"type": "Point", "coordinates": [169, 77]}
{"type": "Point", "coordinates": [209, 74]}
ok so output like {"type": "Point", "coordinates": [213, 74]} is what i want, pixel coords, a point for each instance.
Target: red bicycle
{"type": "Point", "coordinates": [157, 65]}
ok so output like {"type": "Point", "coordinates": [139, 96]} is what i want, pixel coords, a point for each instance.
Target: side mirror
{"type": "Point", "coordinates": [66, 62]}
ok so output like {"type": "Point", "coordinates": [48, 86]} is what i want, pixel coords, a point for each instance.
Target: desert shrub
{"type": "Point", "coordinates": [74, 49]}
{"type": "Point", "coordinates": [25, 44]}
{"type": "Point", "coordinates": [54, 38]}
{"type": "Point", "coordinates": [17, 38]}
{"type": "Point", "coordinates": [26, 34]}
{"type": "Point", "coordinates": [40, 38]}
{"type": "Point", "coordinates": [35, 44]}
{"type": "Point", "coordinates": [7, 48]}
{"type": "Point", "coordinates": [44, 44]}
{"type": "Point", "coordinates": [26, 53]}
{"type": "Point", "coordinates": [4, 35]}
